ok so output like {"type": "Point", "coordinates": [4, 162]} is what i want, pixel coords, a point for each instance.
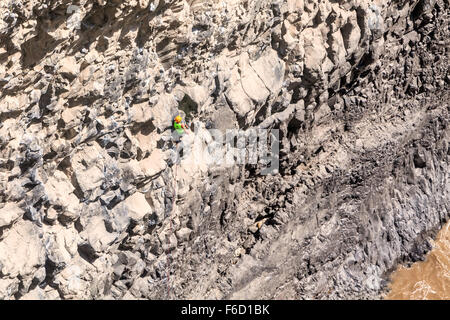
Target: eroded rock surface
{"type": "Point", "coordinates": [93, 206]}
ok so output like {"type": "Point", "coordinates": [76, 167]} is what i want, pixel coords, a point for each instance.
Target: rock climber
{"type": "Point", "coordinates": [179, 126]}
{"type": "Point", "coordinates": [180, 129]}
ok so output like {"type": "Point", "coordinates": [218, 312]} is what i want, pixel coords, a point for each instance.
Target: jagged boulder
{"type": "Point", "coordinates": [22, 251]}
{"type": "Point", "coordinates": [10, 213]}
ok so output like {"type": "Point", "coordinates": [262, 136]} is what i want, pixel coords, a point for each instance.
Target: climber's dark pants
{"type": "Point", "coordinates": [176, 137]}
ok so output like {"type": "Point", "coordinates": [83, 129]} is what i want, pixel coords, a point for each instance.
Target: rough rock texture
{"type": "Point", "coordinates": [93, 206]}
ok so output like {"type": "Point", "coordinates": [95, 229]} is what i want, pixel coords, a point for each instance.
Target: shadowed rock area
{"type": "Point", "coordinates": [92, 205]}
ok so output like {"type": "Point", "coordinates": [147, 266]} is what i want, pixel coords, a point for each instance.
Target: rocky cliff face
{"type": "Point", "coordinates": [92, 204]}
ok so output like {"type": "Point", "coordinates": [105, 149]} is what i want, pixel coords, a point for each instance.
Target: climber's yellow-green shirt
{"type": "Point", "coordinates": [178, 127]}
